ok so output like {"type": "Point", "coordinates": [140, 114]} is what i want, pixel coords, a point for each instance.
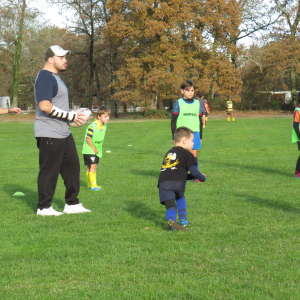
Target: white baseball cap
{"type": "Point", "coordinates": [55, 50]}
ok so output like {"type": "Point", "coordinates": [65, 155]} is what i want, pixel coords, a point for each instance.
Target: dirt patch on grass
{"type": "Point", "coordinates": [250, 114]}
{"type": "Point", "coordinates": [24, 118]}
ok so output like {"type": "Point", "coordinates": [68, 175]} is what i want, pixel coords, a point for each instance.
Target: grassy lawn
{"type": "Point", "coordinates": [243, 242]}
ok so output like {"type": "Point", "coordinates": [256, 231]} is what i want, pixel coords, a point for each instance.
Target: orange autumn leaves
{"type": "Point", "coordinates": [165, 42]}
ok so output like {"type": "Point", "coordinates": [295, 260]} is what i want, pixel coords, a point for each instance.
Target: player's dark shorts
{"type": "Point", "coordinates": [171, 190]}
{"type": "Point", "coordinates": [204, 114]}
{"type": "Point", "coordinates": [90, 159]}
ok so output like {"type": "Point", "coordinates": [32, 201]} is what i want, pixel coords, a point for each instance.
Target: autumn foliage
{"type": "Point", "coordinates": [165, 42]}
{"type": "Point", "coordinates": [138, 52]}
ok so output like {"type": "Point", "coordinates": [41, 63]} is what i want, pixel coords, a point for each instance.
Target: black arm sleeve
{"type": "Point", "coordinates": [189, 177]}
{"type": "Point", "coordinates": [173, 124]}
{"type": "Point", "coordinates": [196, 174]}
{"type": "Point", "coordinates": [201, 126]}
{"type": "Point", "coordinates": [296, 127]}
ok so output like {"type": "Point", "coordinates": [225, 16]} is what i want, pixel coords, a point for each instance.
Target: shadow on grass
{"type": "Point", "coordinates": [252, 168]}
{"type": "Point", "coordinates": [142, 211]}
{"type": "Point", "coordinates": [149, 173]}
{"type": "Point", "coordinates": [274, 204]}
{"type": "Point", "coordinates": [31, 196]}
{"type": "Point", "coordinates": [83, 184]}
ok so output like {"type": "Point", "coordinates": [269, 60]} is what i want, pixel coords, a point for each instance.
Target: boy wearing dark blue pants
{"type": "Point", "coordinates": [172, 179]}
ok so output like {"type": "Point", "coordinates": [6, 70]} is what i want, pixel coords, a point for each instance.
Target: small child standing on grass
{"type": "Point", "coordinates": [92, 145]}
{"type": "Point", "coordinates": [172, 179]}
{"type": "Point", "coordinates": [203, 110]}
{"type": "Point", "coordinates": [207, 110]}
{"type": "Point", "coordinates": [229, 110]}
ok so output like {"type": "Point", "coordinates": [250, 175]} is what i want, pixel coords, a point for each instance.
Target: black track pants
{"type": "Point", "coordinates": [57, 156]}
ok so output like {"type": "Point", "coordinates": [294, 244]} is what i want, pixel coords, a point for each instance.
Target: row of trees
{"type": "Point", "coordinates": [132, 51]}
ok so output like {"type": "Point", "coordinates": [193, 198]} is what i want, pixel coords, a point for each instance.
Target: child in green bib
{"type": "Point", "coordinates": [187, 112]}
{"type": "Point", "coordinates": [92, 145]}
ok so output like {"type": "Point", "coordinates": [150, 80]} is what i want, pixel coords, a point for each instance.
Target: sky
{"type": "Point", "coordinates": [51, 12]}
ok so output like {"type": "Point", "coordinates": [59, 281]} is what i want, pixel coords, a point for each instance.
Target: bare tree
{"type": "Point", "coordinates": [18, 51]}
{"type": "Point", "coordinates": [290, 10]}
{"type": "Point", "coordinates": [15, 17]}
{"type": "Point", "coordinates": [86, 18]}
{"type": "Point", "coordinates": [257, 16]}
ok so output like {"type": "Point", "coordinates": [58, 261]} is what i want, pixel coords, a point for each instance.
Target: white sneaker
{"type": "Point", "coordinates": [50, 211]}
{"type": "Point", "coordinates": [75, 209]}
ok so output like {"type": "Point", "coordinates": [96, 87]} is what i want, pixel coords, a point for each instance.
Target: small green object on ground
{"type": "Point", "coordinates": [18, 194]}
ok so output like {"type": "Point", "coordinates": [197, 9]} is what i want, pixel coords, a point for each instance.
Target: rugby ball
{"type": "Point", "coordinates": [87, 115]}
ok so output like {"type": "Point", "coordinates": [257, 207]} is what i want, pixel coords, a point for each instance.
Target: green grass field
{"type": "Point", "coordinates": [244, 238]}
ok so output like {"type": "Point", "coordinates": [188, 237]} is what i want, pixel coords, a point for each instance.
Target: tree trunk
{"type": "Point", "coordinates": [233, 41]}
{"type": "Point", "coordinates": [113, 80]}
{"type": "Point", "coordinates": [91, 63]}
{"type": "Point", "coordinates": [154, 101]}
{"type": "Point", "coordinates": [212, 85]}
{"type": "Point", "coordinates": [294, 86]}
{"type": "Point", "coordinates": [116, 109]}
{"type": "Point", "coordinates": [160, 102]}
{"type": "Point", "coordinates": [211, 92]}
{"type": "Point", "coordinates": [17, 57]}
{"type": "Point", "coordinates": [98, 93]}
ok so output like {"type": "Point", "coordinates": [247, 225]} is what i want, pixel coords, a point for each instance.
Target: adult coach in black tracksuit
{"type": "Point", "coordinates": [57, 150]}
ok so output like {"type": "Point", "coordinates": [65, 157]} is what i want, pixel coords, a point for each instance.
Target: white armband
{"type": "Point", "coordinates": [59, 113]}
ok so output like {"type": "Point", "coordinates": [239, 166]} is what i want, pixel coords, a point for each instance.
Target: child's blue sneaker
{"type": "Point", "coordinates": [184, 222]}
{"type": "Point", "coordinates": [97, 188]}
{"type": "Point", "coordinates": [175, 227]}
